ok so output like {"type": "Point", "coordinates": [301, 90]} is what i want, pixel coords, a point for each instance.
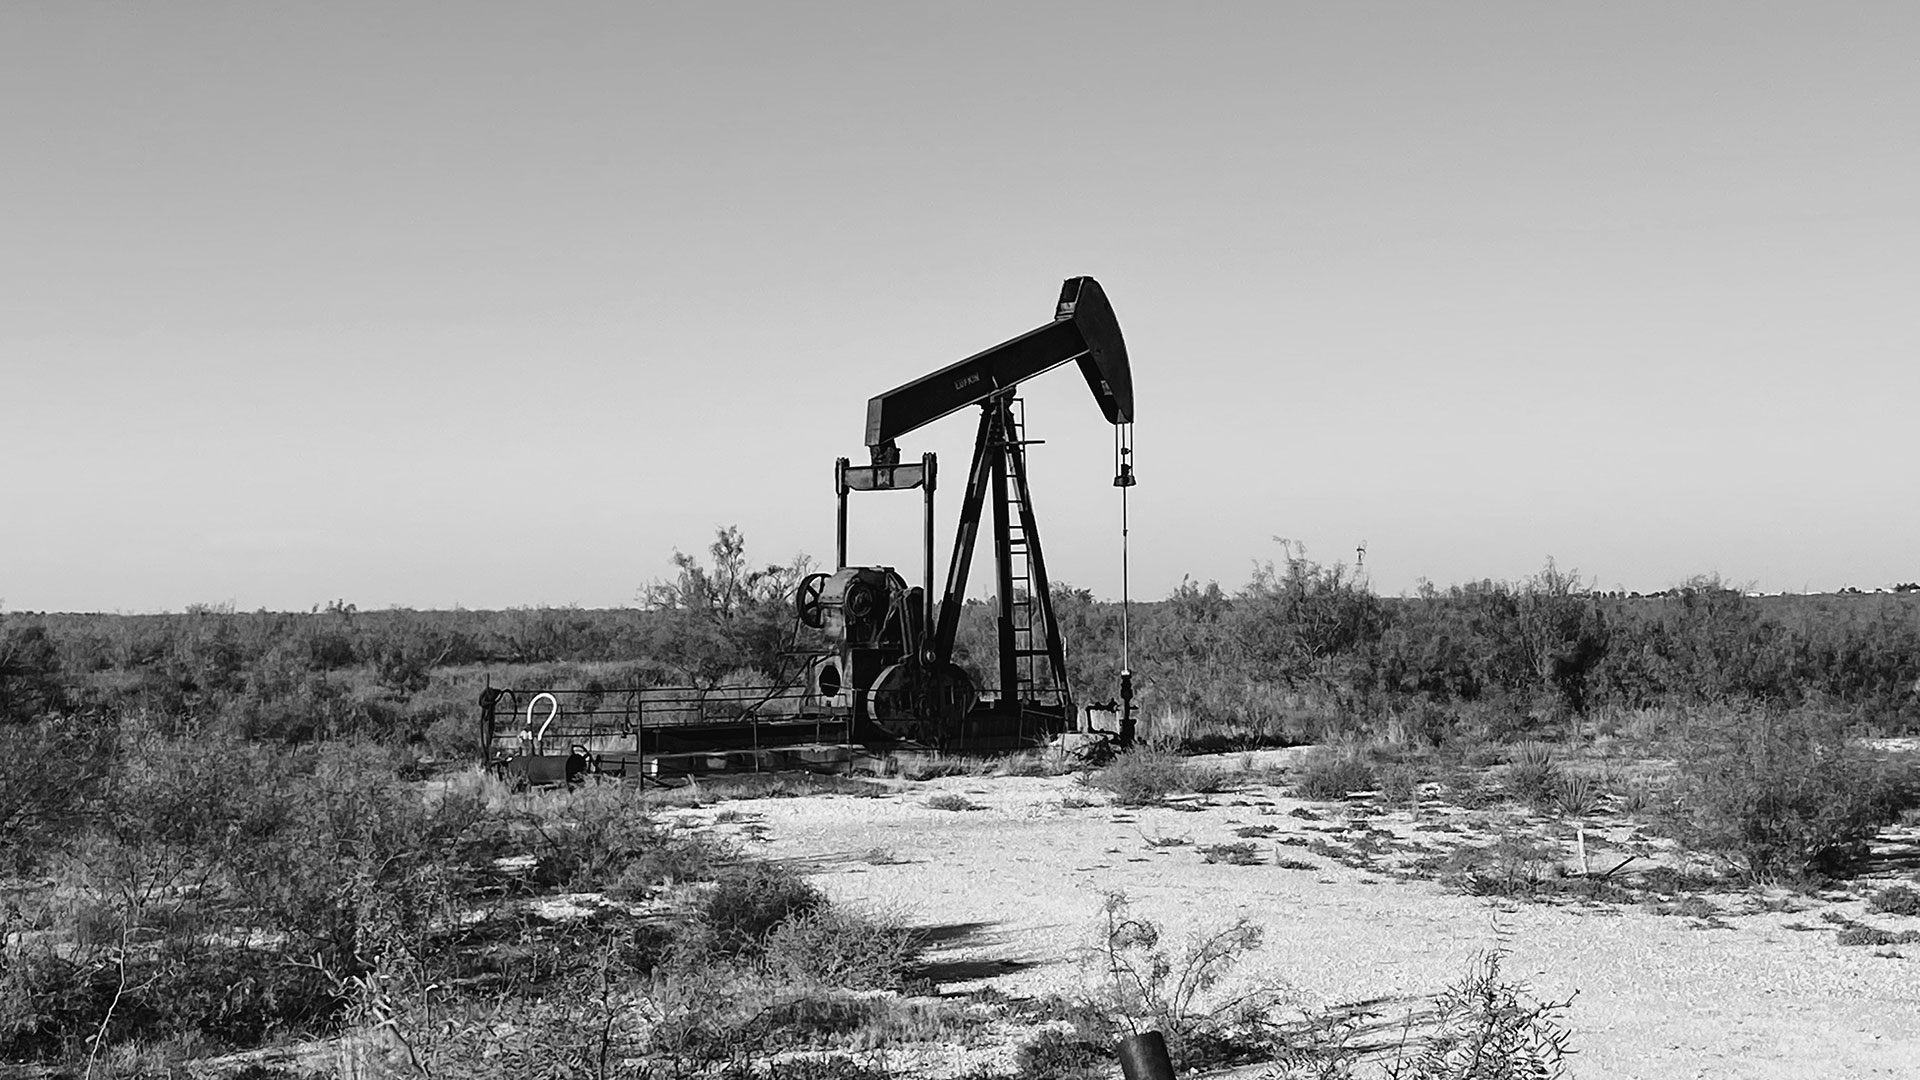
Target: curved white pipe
{"type": "Point", "coordinates": [553, 710]}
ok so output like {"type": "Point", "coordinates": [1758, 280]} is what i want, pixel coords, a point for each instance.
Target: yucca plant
{"type": "Point", "coordinates": [1532, 775]}
{"type": "Point", "coordinates": [1576, 794]}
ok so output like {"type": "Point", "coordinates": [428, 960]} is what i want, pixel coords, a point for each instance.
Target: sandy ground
{"type": "Point", "coordinates": [1015, 888]}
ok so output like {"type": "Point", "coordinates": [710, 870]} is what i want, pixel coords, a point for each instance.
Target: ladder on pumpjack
{"type": "Point", "coordinates": [1020, 562]}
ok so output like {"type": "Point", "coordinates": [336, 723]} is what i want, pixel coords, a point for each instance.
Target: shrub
{"type": "Point", "coordinates": [1463, 788]}
{"type": "Point", "coordinates": [1055, 1053]}
{"type": "Point", "coordinates": [1782, 792]}
{"type": "Point", "coordinates": [1895, 900]}
{"type": "Point", "coordinates": [1424, 724]}
{"type": "Point", "coordinates": [29, 674]}
{"type": "Point", "coordinates": [1142, 777]}
{"type": "Point", "coordinates": [1328, 775]}
{"type": "Point", "coordinates": [750, 901]}
{"type": "Point", "coordinates": [1400, 785]}
{"type": "Point", "coordinates": [1239, 854]}
{"type": "Point", "coordinates": [837, 946]}
{"type": "Point", "coordinates": [1140, 986]}
{"type": "Point", "coordinates": [1486, 1028]}
{"type": "Point", "coordinates": [1873, 935]}
{"type": "Point", "coordinates": [1636, 795]}
{"type": "Point", "coordinates": [951, 801]}
{"type": "Point", "coordinates": [49, 770]}
{"type": "Point", "coordinates": [605, 838]}
{"type": "Point", "coordinates": [826, 1067]}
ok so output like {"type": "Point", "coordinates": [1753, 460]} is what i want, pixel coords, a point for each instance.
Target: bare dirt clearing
{"type": "Point", "coordinates": [1685, 985]}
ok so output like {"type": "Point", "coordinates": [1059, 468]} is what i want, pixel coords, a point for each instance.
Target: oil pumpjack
{"type": "Point", "coordinates": [891, 669]}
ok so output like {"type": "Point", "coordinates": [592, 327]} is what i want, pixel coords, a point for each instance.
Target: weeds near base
{"type": "Point", "coordinates": [943, 765]}
{"type": "Point", "coordinates": [1330, 775]}
{"type": "Point", "coordinates": [1143, 777]}
{"type": "Point", "coordinates": [948, 800]}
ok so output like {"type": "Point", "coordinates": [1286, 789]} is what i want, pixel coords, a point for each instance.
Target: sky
{"type": "Point", "coordinates": [490, 305]}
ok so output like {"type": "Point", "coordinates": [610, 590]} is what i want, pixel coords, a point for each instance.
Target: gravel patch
{"type": "Point", "coordinates": [1013, 891]}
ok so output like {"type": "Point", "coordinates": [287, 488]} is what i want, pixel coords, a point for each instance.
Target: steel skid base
{"type": "Point", "coordinates": [660, 740]}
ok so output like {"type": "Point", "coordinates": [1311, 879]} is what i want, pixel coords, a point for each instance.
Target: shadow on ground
{"type": "Point", "coordinates": [953, 937]}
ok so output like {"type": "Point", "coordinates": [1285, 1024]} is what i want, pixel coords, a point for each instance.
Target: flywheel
{"type": "Point", "coordinates": [926, 703]}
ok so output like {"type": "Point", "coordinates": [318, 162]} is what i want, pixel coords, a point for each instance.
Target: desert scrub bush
{"type": "Point", "coordinates": [808, 1067]}
{"type": "Point", "coordinates": [1487, 1028]}
{"type": "Point", "coordinates": [1400, 785]}
{"type": "Point", "coordinates": [1514, 865]}
{"type": "Point", "coordinates": [1636, 795]}
{"type": "Point", "coordinates": [1059, 1053]}
{"type": "Point", "coordinates": [736, 1017]}
{"type": "Point", "coordinates": [952, 801]}
{"type": "Point", "coordinates": [745, 905]}
{"type": "Point", "coordinates": [1895, 900]}
{"type": "Point", "coordinates": [1139, 986]}
{"type": "Point", "coordinates": [1873, 935]}
{"type": "Point", "coordinates": [834, 945]}
{"type": "Point", "coordinates": [1480, 1027]}
{"type": "Point", "coordinates": [1465, 789]}
{"type": "Point", "coordinates": [1326, 775]}
{"type": "Point", "coordinates": [1143, 776]}
{"type": "Point", "coordinates": [1240, 853]}
{"type": "Point", "coordinates": [50, 769]}
{"type": "Point", "coordinates": [606, 838]}
{"type": "Point", "coordinates": [1782, 793]}
{"type": "Point", "coordinates": [314, 859]}
{"type": "Point", "coordinates": [1422, 724]}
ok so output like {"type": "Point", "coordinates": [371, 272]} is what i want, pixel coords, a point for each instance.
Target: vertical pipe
{"type": "Point", "coordinates": [488, 697]}
{"type": "Point", "coordinates": [927, 463]}
{"type": "Point", "coordinates": [1126, 643]}
{"type": "Point", "coordinates": [1144, 1057]}
{"type": "Point", "coordinates": [840, 519]}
